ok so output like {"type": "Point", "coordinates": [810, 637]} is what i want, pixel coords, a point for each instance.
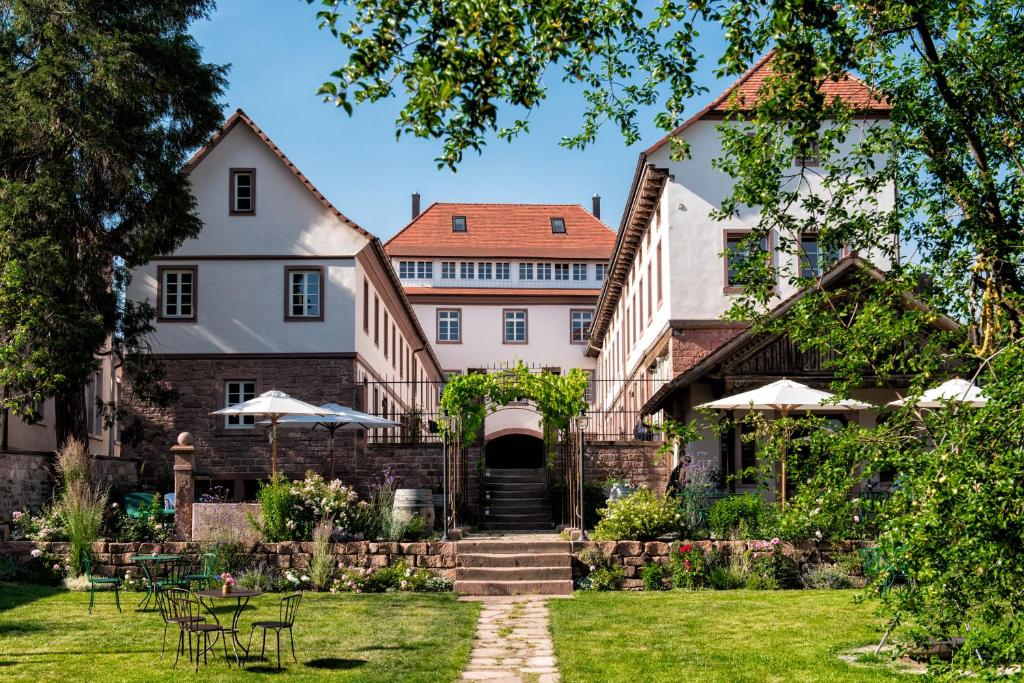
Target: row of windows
{"type": "Point", "coordinates": [813, 259]}
{"type": "Point", "coordinates": [514, 326]}
{"type": "Point", "coordinates": [502, 270]}
{"type": "Point", "coordinates": [303, 293]}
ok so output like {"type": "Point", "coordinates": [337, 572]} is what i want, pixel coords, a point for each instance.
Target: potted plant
{"type": "Point", "coordinates": [227, 583]}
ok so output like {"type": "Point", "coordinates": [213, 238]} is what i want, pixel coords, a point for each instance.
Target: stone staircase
{"type": "Point", "coordinates": [516, 499]}
{"type": "Point", "coordinates": [513, 566]}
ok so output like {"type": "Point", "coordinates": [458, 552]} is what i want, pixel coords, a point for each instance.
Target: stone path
{"type": "Point", "coordinates": [512, 642]}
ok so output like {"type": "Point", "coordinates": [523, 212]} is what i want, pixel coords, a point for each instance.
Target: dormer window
{"type": "Point", "coordinates": [557, 225]}
{"type": "Point", "coordinates": [243, 192]}
{"type": "Point", "coordinates": [458, 224]}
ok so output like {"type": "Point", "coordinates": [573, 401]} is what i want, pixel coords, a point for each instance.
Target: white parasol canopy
{"type": "Point", "coordinates": [954, 391]}
{"type": "Point", "coordinates": [272, 405]}
{"type": "Point", "coordinates": [786, 397]}
{"type": "Point", "coordinates": [336, 417]}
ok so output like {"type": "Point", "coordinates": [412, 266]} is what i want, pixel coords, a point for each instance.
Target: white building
{"type": "Point", "coordinates": [279, 290]}
{"type": "Point", "coordinates": [495, 284]}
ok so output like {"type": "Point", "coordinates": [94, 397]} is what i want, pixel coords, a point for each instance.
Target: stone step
{"type": "Point", "coordinates": [532, 527]}
{"type": "Point", "coordinates": [473, 547]}
{"type": "Point", "coordinates": [535, 471]}
{"type": "Point", "coordinates": [523, 516]}
{"type": "Point", "coordinates": [504, 574]}
{"type": "Point", "coordinates": [523, 488]}
{"type": "Point", "coordinates": [502, 503]}
{"type": "Point", "coordinates": [512, 478]}
{"type": "Point", "coordinates": [560, 587]}
{"type": "Point", "coordinates": [514, 560]}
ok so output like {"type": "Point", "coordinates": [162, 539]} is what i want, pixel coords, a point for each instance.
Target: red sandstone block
{"type": "Point", "coordinates": [656, 548]}
{"type": "Point", "coordinates": [633, 561]}
{"type": "Point", "coordinates": [379, 560]}
{"type": "Point", "coordinates": [414, 548]}
{"type": "Point", "coordinates": [633, 584]}
{"type": "Point", "coordinates": [629, 548]}
{"type": "Point", "coordinates": [99, 547]}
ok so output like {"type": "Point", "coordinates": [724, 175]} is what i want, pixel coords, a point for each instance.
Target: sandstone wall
{"type": "Point", "coordinates": [637, 461]}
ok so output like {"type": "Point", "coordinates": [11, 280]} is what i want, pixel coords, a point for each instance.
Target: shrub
{"type": "Point", "coordinates": [694, 496]}
{"type": "Point", "coordinates": [80, 504]}
{"type": "Point", "coordinates": [641, 516]}
{"type": "Point", "coordinates": [769, 568]}
{"type": "Point", "coordinates": [604, 579]}
{"type": "Point", "coordinates": [276, 500]}
{"type": "Point", "coordinates": [395, 578]}
{"type": "Point", "coordinates": [826, 576]}
{"type": "Point", "coordinates": [40, 568]}
{"type": "Point", "coordinates": [151, 525]}
{"type": "Point", "coordinates": [47, 526]}
{"type": "Point", "coordinates": [739, 517]}
{"type": "Point", "coordinates": [727, 577]}
{"type": "Point", "coordinates": [314, 499]}
{"type": "Point", "coordinates": [688, 567]}
{"type": "Point", "coordinates": [653, 575]}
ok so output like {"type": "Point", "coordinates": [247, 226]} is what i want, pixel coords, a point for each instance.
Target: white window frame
{"type": "Point", "coordinates": [424, 270]}
{"type": "Point", "coordinates": [448, 270]}
{"type": "Point", "coordinates": [447, 319]}
{"type": "Point", "coordinates": [305, 282]}
{"type": "Point", "coordinates": [543, 271]}
{"type": "Point", "coordinates": [406, 270]}
{"type": "Point", "coordinates": [562, 272]}
{"type": "Point", "coordinates": [485, 270]}
{"type": "Point", "coordinates": [502, 270]}
{"type": "Point", "coordinates": [166, 295]}
{"type": "Point", "coordinates": [525, 271]}
{"type": "Point", "coordinates": [236, 391]}
{"type": "Point", "coordinates": [579, 272]}
{"type": "Point", "coordinates": [600, 272]}
{"type": "Point", "coordinates": [467, 270]}
{"type": "Point", "coordinates": [517, 318]}
{"type": "Point", "coordinates": [582, 320]}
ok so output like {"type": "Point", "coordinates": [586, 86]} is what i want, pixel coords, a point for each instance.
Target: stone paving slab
{"type": "Point", "coordinates": [513, 643]}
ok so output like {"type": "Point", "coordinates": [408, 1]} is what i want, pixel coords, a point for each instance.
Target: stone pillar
{"type": "Point", "coordinates": [184, 486]}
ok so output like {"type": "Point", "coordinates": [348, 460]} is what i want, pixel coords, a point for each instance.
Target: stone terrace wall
{"type": "Point", "coordinates": [637, 461]}
{"type": "Point", "coordinates": [633, 555]}
{"type": "Point", "coordinates": [26, 479]}
{"type": "Point", "coordinates": [111, 559]}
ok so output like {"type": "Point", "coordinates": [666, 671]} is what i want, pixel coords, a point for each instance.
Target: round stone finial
{"type": "Point", "coordinates": [184, 439]}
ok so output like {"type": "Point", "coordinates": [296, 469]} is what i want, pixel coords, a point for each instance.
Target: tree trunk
{"type": "Point", "coordinates": [69, 416]}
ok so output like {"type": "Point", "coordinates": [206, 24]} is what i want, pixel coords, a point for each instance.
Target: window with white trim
{"type": "Point", "coordinates": [579, 271]}
{"type": "Point", "coordinates": [543, 271]}
{"type": "Point", "coordinates": [406, 269]}
{"type": "Point", "coordinates": [239, 391]}
{"type": "Point", "coordinates": [525, 271]}
{"type": "Point", "coordinates": [177, 291]}
{"type": "Point", "coordinates": [466, 270]}
{"type": "Point", "coordinates": [424, 270]}
{"type": "Point", "coordinates": [813, 260]}
{"type": "Point", "coordinates": [304, 294]}
{"type": "Point", "coordinates": [515, 326]}
{"type": "Point", "coordinates": [448, 270]}
{"type": "Point", "coordinates": [502, 271]}
{"type": "Point", "coordinates": [449, 325]}
{"type": "Point", "coordinates": [738, 250]}
{"type": "Point", "coordinates": [561, 271]}
{"type": "Point", "coordinates": [243, 191]}
{"type": "Point", "coordinates": [484, 270]}
{"type": "Point", "coordinates": [600, 272]}
{"type": "Point", "coordinates": [579, 326]}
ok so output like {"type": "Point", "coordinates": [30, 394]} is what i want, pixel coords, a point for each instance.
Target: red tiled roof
{"type": "Point", "coordinates": [504, 230]}
{"type": "Point", "coordinates": [744, 92]}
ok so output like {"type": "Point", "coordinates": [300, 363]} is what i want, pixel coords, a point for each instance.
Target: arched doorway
{"type": "Point", "coordinates": [514, 451]}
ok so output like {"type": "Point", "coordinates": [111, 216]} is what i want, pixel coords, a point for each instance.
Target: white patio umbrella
{"type": "Point", "coordinates": [954, 391]}
{"type": "Point", "coordinates": [336, 417]}
{"type": "Point", "coordinates": [786, 397]}
{"type": "Point", "coordinates": [272, 405]}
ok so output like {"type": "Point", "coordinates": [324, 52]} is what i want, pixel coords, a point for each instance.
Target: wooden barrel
{"type": "Point", "coordinates": [415, 503]}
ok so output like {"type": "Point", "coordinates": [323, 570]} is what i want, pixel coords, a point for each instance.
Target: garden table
{"type": "Point", "coordinates": [152, 564]}
{"type": "Point", "coordinates": [241, 597]}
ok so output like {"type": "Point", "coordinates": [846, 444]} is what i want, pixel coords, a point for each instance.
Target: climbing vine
{"type": "Point", "coordinates": [471, 397]}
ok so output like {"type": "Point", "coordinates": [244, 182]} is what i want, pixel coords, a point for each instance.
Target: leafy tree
{"type": "Point", "coordinates": [953, 74]}
{"type": "Point", "coordinates": [100, 104]}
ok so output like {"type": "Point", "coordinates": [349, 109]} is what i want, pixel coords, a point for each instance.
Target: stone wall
{"type": "Point", "coordinates": [225, 522]}
{"type": "Point", "coordinates": [633, 555]}
{"type": "Point", "coordinates": [110, 559]}
{"type": "Point", "coordinates": [637, 461]}
{"type": "Point", "coordinates": [238, 455]}
{"type": "Point", "coordinates": [26, 479]}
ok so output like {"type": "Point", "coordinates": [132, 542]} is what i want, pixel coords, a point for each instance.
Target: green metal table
{"type": "Point", "coordinates": [151, 566]}
{"type": "Point", "coordinates": [241, 597]}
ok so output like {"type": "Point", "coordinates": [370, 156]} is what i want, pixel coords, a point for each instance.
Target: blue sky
{"type": "Point", "coordinates": [278, 58]}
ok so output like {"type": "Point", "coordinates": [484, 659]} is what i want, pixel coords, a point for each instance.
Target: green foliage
{"type": "Point", "coordinates": [727, 577]}
{"type": "Point", "coordinates": [314, 499]}
{"type": "Point", "coordinates": [739, 517]}
{"type": "Point", "coordinates": [101, 109]}
{"type": "Point", "coordinates": [80, 504]}
{"type": "Point", "coordinates": [603, 572]}
{"type": "Point", "coordinates": [642, 516]}
{"type": "Point", "coordinates": [467, 399]}
{"type": "Point", "coordinates": [391, 579]}
{"type": "Point", "coordinates": [321, 560]}
{"type": "Point", "coordinates": [688, 567]}
{"type": "Point", "coordinates": [152, 525]}
{"type": "Point", "coordinates": [47, 526]}
{"type": "Point", "coordinates": [653, 576]}
{"type": "Point", "coordinates": [827, 576]}
{"type": "Point", "coordinates": [769, 568]}
{"type": "Point", "coordinates": [276, 500]}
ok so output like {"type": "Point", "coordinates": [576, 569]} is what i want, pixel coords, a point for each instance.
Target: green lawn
{"type": "Point", "coordinates": [712, 636]}
{"type": "Point", "coordinates": [47, 634]}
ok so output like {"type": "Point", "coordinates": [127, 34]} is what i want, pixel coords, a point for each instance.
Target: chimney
{"type": "Point", "coordinates": [597, 206]}
{"type": "Point", "coordinates": [415, 205]}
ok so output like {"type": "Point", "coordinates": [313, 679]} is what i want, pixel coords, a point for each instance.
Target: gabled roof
{"type": "Point", "coordinates": [504, 231]}
{"type": "Point", "coordinates": [838, 275]}
{"type": "Point", "coordinates": [743, 94]}
{"type": "Point", "coordinates": [241, 117]}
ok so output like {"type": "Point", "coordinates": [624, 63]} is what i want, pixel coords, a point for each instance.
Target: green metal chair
{"type": "Point", "coordinates": [99, 581]}
{"type": "Point", "coordinates": [176, 576]}
{"type": "Point", "coordinates": [192, 622]}
{"type": "Point", "coordinates": [206, 575]}
{"type": "Point", "coordinates": [170, 603]}
{"type": "Point", "coordinates": [286, 611]}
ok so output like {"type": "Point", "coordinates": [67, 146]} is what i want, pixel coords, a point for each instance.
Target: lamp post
{"type": "Point", "coordinates": [582, 423]}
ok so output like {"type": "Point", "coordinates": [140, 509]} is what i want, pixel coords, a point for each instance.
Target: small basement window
{"type": "Point", "coordinates": [458, 224]}
{"type": "Point", "coordinates": [558, 225]}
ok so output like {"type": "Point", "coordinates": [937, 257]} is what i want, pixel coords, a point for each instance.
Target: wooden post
{"type": "Point", "coordinates": [184, 486]}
